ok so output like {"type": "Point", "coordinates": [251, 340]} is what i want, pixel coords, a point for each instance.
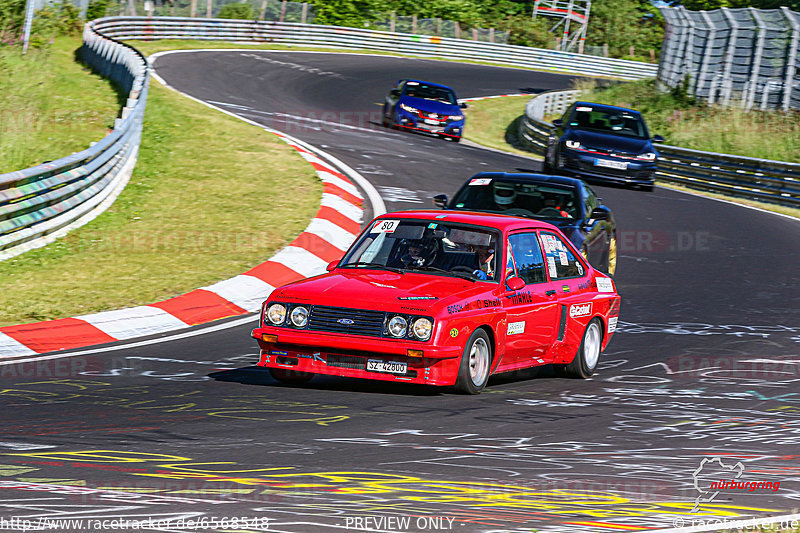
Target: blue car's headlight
{"type": "Point", "coordinates": [575, 145]}
{"type": "Point", "coordinates": [648, 156]}
{"type": "Point", "coordinates": [408, 108]}
{"type": "Point", "coordinates": [456, 117]}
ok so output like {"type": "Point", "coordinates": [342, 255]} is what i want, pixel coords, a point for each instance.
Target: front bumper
{"type": "Point", "coordinates": [413, 122]}
{"type": "Point", "coordinates": [339, 355]}
{"type": "Point", "coordinates": [582, 165]}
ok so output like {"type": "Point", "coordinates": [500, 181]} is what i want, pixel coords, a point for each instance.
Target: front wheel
{"type": "Point", "coordinates": [473, 373]}
{"type": "Point", "coordinates": [292, 377]}
{"type": "Point", "coordinates": [585, 362]}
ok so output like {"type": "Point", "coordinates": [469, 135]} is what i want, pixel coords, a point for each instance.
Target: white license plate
{"type": "Point", "coordinates": [431, 122]}
{"type": "Point", "coordinates": [610, 163]}
{"type": "Point", "coordinates": [391, 367]}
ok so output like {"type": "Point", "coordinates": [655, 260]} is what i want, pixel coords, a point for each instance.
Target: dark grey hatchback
{"type": "Point", "coordinates": [603, 143]}
{"type": "Point", "coordinates": [567, 203]}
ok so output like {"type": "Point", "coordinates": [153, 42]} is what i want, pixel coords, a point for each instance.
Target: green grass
{"type": "Point", "coordinates": [494, 123]}
{"type": "Point", "coordinates": [50, 106]}
{"type": "Point", "coordinates": [210, 197]}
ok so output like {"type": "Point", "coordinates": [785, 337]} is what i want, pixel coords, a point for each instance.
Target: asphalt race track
{"type": "Point", "coordinates": [705, 364]}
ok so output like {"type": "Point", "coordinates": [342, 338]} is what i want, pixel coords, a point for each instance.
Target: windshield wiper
{"type": "Point", "coordinates": [377, 266]}
{"type": "Point", "coordinates": [462, 275]}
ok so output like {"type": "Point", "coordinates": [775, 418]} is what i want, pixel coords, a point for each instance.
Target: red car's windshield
{"type": "Point", "coordinates": [428, 246]}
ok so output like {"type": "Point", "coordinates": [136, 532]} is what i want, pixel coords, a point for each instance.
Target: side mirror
{"type": "Point", "coordinates": [515, 283]}
{"type": "Point", "coordinates": [440, 200]}
{"type": "Point", "coordinates": [658, 139]}
{"type": "Point", "coordinates": [600, 213]}
{"type": "Point", "coordinates": [463, 105]}
{"type": "Point", "coordinates": [558, 123]}
{"type": "Point", "coordinates": [332, 266]}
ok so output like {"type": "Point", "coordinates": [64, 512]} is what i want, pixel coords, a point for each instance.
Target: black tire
{"type": "Point", "coordinates": [292, 377]}
{"type": "Point", "coordinates": [476, 364]}
{"type": "Point", "coordinates": [546, 167]}
{"type": "Point", "coordinates": [456, 139]}
{"type": "Point", "coordinates": [585, 362]}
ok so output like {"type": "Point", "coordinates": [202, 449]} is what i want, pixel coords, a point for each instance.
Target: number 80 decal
{"type": "Point", "coordinates": [385, 226]}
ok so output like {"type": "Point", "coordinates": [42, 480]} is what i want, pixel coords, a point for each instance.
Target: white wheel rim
{"type": "Point", "coordinates": [478, 362]}
{"type": "Point", "coordinates": [591, 346]}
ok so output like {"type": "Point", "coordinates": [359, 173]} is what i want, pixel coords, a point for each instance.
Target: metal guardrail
{"type": "Point", "coordinates": [743, 56]}
{"type": "Point", "coordinates": [748, 177]}
{"type": "Point", "coordinates": [42, 203]}
{"type": "Point", "coordinates": [142, 28]}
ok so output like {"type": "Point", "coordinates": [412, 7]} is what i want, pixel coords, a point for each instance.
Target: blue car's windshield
{"type": "Point", "coordinates": [539, 200]}
{"type": "Point", "coordinates": [428, 92]}
{"type": "Point", "coordinates": [607, 120]}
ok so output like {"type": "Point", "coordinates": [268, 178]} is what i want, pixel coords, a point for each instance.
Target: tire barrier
{"type": "Point", "coordinates": [43, 203]}
{"type": "Point", "coordinates": [747, 177]}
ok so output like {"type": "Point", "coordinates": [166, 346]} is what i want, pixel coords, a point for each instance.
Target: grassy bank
{"type": "Point", "coordinates": [495, 122]}
{"type": "Point", "coordinates": [207, 200]}
{"type": "Point", "coordinates": [50, 106]}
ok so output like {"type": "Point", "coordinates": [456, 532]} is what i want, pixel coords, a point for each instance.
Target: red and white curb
{"type": "Point", "coordinates": [335, 226]}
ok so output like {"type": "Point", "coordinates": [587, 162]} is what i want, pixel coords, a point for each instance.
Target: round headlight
{"type": "Point", "coordinates": [398, 326]}
{"type": "Point", "coordinates": [299, 316]}
{"type": "Point", "coordinates": [573, 144]}
{"type": "Point", "coordinates": [422, 328]}
{"type": "Point", "coordinates": [276, 313]}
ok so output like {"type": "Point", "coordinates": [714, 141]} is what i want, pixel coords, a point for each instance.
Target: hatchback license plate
{"type": "Point", "coordinates": [391, 367]}
{"type": "Point", "coordinates": [610, 163]}
{"type": "Point", "coordinates": [431, 122]}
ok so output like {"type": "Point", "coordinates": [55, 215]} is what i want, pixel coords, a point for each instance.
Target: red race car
{"type": "Point", "coordinates": [442, 299]}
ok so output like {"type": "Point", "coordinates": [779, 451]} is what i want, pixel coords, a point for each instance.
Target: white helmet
{"type": "Point", "coordinates": [504, 195]}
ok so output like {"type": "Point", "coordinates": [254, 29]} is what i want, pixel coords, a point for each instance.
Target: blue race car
{"type": "Point", "coordinates": [603, 143]}
{"type": "Point", "coordinates": [426, 107]}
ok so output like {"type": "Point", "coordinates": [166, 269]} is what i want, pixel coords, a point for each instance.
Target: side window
{"type": "Point", "coordinates": [590, 201]}
{"type": "Point", "coordinates": [511, 268]}
{"type": "Point", "coordinates": [561, 263]}
{"type": "Point", "coordinates": [528, 257]}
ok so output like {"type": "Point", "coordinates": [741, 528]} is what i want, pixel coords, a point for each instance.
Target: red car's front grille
{"type": "Point", "coordinates": [348, 321]}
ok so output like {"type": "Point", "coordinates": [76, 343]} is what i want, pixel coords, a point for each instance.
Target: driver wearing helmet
{"type": "Point", "coordinates": [419, 253]}
{"type": "Point", "coordinates": [504, 196]}
{"type": "Point", "coordinates": [485, 268]}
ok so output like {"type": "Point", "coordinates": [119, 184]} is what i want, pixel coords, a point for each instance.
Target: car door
{"type": "Point", "coordinates": [595, 232]}
{"type": "Point", "coordinates": [567, 271]}
{"type": "Point", "coordinates": [532, 312]}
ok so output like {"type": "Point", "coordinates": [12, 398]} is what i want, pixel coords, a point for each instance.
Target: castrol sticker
{"type": "Point", "coordinates": [578, 310]}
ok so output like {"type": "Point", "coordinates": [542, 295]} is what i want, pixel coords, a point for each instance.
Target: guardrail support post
{"type": "Point", "coordinates": [730, 54]}
{"type": "Point", "coordinates": [759, 52]}
{"type": "Point", "coordinates": [791, 62]}
{"type": "Point", "coordinates": [702, 77]}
